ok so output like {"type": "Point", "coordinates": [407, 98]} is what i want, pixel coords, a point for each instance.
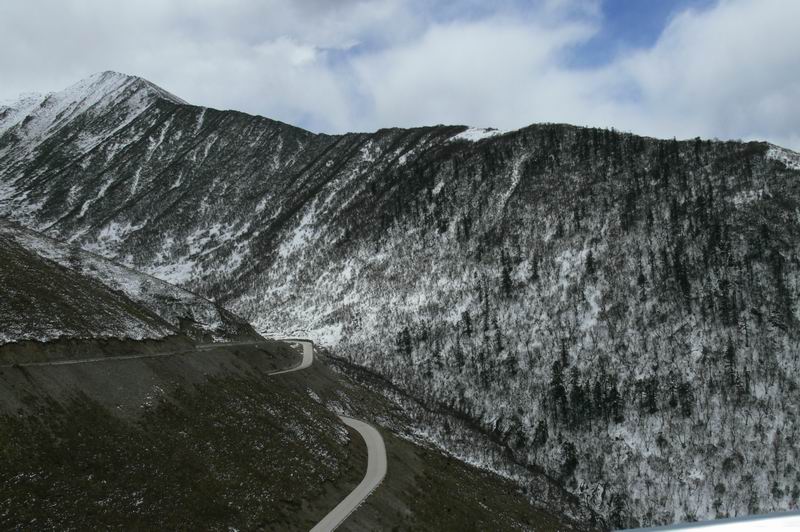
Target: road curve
{"type": "Point", "coordinates": [376, 455]}
{"type": "Point", "coordinates": [376, 448]}
{"type": "Point", "coordinates": [308, 357]}
{"type": "Point", "coordinates": [376, 471]}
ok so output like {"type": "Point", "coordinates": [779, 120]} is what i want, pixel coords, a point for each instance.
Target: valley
{"type": "Point", "coordinates": [214, 436]}
{"type": "Point", "coordinates": [611, 316]}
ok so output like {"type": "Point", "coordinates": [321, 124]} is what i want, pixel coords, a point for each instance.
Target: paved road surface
{"type": "Point", "coordinates": [376, 449]}
{"type": "Point", "coordinates": [376, 456]}
{"type": "Point", "coordinates": [376, 470]}
{"type": "Point", "coordinates": [198, 347]}
{"type": "Point", "coordinates": [308, 358]}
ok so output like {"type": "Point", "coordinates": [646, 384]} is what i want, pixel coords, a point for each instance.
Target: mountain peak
{"type": "Point", "coordinates": [35, 115]}
{"type": "Point", "coordinates": [108, 82]}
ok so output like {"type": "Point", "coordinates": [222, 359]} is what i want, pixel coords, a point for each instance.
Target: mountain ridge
{"type": "Point", "coordinates": [56, 292]}
{"type": "Point", "coordinates": [479, 132]}
{"type": "Point", "coordinates": [615, 309]}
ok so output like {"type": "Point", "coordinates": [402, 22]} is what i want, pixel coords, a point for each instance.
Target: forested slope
{"type": "Point", "coordinates": [620, 311]}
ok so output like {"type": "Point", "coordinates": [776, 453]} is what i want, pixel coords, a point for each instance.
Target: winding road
{"type": "Point", "coordinates": [376, 448]}
{"type": "Point", "coordinates": [376, 455]}
{"type": "Point", "coordinates": [308, 356]}
{"type": "Point", "coordinates": [376, 470]}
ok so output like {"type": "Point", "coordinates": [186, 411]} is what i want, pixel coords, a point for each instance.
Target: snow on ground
{"type": "Point", "coordinates": [787, 157]}
{"type": "Point", "coordinates": [130, 329]}
{"type": "Point", "coordinates": [59, 107]}
{"type": "Point", "coordinates": [328, 334]}
{"type": "Point", "coordinates": [176, 273]}
{"type": "Point", "coordinates": [6, 191]}
{"type": "Point", "coordinates": [110, 236]}
{"type": "Point", "coordinates": [170, 302]}
{"type": "Point", "coordinates": [747, 196]}
{"type": "Point", "coordinates": [301, 234]}
{"type": "Point", "coordinates": [474, 134]}
{"type": "Point", "coordinates": [37, 115]}
{"type": "Point", "coordinates": [11, 113]}
{"type": "Point", "coordinates": [181, 260]}
{"type": "Point", "coordinates": [100, 193]}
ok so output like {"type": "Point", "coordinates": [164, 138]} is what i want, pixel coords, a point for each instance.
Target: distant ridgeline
{"type": "Point", "coordinates": [620, 311]}
{"type": "Point", "coordinates": [52, 291]}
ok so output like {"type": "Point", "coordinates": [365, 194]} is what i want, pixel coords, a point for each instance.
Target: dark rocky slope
{"type": "Point", "coordinates": [208, 440]}
{"type": "Point", "coordinates": [620, 311]}
{"type": "Point", "coordinates": [53, 291]}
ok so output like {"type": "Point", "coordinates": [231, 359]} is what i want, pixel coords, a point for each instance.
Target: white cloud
{"type": "Point", "coordinates": [732, 70]}
{"type": "Point", "coordinates": [492, 72]}
{"type": "Point", "coordinates": [270, 57]}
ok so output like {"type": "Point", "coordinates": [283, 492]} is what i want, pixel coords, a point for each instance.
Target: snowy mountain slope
{"type": "Point", "coordinates": [53, 291]}
{"type": "Point", "coordinates": [619, 311]}
{"type": "Point", "coordinates": [35, 118]}
{"type": "Point", "coordinates": [12, 112]}
{"type": "Point", "coordinates": [42, 301]}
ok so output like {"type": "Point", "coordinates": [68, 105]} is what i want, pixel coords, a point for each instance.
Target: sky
{"type": "Point", "coordinates": [725, 69]}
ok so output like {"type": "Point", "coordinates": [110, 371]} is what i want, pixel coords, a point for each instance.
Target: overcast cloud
{"type": "Point", "coordinates": [730, 69]}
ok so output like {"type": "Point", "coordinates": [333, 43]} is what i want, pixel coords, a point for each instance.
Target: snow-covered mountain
{"type": "Point", "coordinates": [53, 291]}
{"type": "Point", "coordinates": [619, 311]}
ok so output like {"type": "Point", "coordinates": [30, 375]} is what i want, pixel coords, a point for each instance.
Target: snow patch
{"type": "Point", "coordinates": [789, 158]}
{"type": "Point", "coordinates": [300, 235]}
{"type": "Point", "coordinates": [111, 235]}
{"type": "Point", "coordinates": [169, 302]}
{"type": "Point", "coordinates": [747, 196]}
{"type": "Point", "coordinates": [474, 134]}
{"type": "Point", "coordinates": [100, 193]}
{"type": "Point", "coordinates": [12, 113]}
{"type": "Point", "coordinates": [177, 273]}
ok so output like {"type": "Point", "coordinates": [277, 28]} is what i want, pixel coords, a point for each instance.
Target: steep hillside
{"type": "Point", "coordinates": [53, 291]}
{"type": "Point", "coordinates": [198, 440]}
{"type": "Point", "coordinates": [619, 311]}
{"type": "Point", "coordinates": [209, 440]}
{"type": "Point", "coordinates": [156, 181]}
